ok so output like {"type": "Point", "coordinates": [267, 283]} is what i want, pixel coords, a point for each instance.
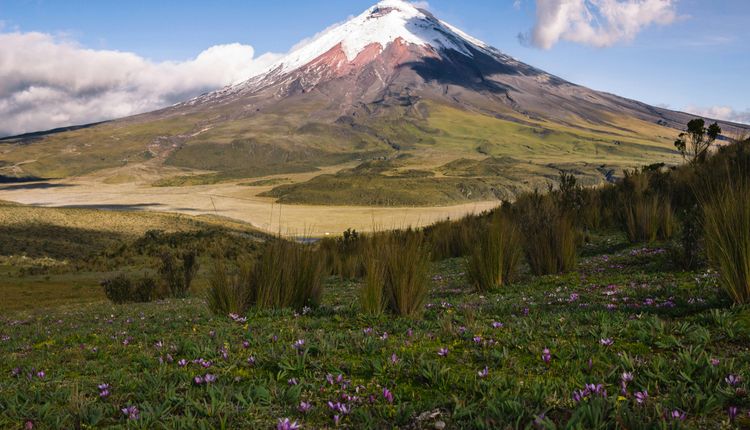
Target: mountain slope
{"type": "Point", "coordinates": [394, 83]}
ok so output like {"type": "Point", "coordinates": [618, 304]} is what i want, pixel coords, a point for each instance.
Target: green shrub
{"type": "Point", "coordinates": [229, 287]}
{"type": "Point", "coordinates": [726, 213]}
{"type": "Point", "coordinates": [496, 256]}
{"type": "Point", "coordinates": [144, 290]}
{"type": "Point", "coordinates": [178, 271]}
{"type": "Point", "coordinates": [121, 289]}
{"type": "Point", "coordinates": [402, 261]}
{"type": "Point", "coordinates": [549, 234]}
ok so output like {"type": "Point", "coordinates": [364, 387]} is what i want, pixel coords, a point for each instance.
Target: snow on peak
{"type": "Point", "coordinates": [382, 24]}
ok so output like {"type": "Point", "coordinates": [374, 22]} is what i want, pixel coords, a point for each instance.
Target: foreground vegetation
{"type": "Point", "coordinates": [623, 306]}
{"type": "Point", "coordinates": [656, 345]}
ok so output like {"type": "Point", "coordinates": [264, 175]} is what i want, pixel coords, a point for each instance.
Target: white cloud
{"type": "Point", "coordinates": [599, 23]}
{"type": "Point", "coordinates": [721, 112]}
{"type": "Point", "coordinates": [47, 81]}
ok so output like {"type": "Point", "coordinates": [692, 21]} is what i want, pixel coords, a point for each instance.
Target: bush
{"type": "Point", "coordinates": [178, 272]}
{"type": "Point", "coordinates": [401, 260]}
{"type": "Point", "coordinates": [121, 289]}
{"type": "Point", "coordinates": [496, 256]}
{"type": "Point", "coordinates": [549, 234]}
{"type": "Point", "coordinates": [726, 213]}
{"type": "Point", "coordinates": [229, 288]}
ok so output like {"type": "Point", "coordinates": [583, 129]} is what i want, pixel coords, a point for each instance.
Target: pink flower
{"type": "Point", "coordinates": [607, 342]}
{"type": "Point", "coordinates": [394, 359]}
{"type": "Point", "coordinates": [715, 362]}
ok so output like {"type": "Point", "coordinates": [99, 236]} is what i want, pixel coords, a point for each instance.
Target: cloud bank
{"type": "Point", "coordinates": [47, 81]}
{"type": "Point", "coordinates": [721, 112]}
{"type": "Point", "coordinates": [598, 23]}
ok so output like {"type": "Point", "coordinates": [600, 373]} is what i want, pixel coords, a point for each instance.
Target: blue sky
{"type": "Point", "coordinates": [700, 60]}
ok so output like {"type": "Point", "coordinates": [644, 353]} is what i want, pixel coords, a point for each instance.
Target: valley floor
{"type": "Point", "coordinates": [232, 201]}
{"type": "Point", "coordinates": [662, 348]}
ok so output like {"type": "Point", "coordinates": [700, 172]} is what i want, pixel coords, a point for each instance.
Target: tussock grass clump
{"type": "Point", "coordinates": [229, 287]}
{"type": "Point", "coordinates": [451, 239]}
{"type": "Point", "coordinates": [648, 218]}
{"type": "Point", "coordinates": [726, 214]}
{"type": "Point", "coordinates": [496, 255]}
{"type": "Point", "coordinates": [400, 262]}
{"type": "Point", "coordinates": [549, 234]}
{"type": "Point", "coordinates": [343, 255]}
{"type": "Point", "coordinates": [285, 275]}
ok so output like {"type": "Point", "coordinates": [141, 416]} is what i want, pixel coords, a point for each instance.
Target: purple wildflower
{"type": "Point", "coordinates": [299, 344]}
{"type": "Point", "coordinates": [484, 372]}
{"type": "Point", "coordinates": [394, 358]}
{"type": "Point", "coordinates": [209, 378]}
{"type": "Point", "coordinates": [286, 424]}
{"type": "Point", "coordinates": [715, 362]}
{"type": "Point", "coordinates": [245, 344]}
{"type": "Point", "coordinates": [251, 360]}
{"type": "Point", "coordinates": [292, 381]}
{"type": "Point", "coordinates": [546, 356]}
{"type": "Point", "coordinates": [40, 374]}
{"type": "Point", "coordinates": [304, 407]}
{"type": "Point", "coordinates": [677, 415]}
{"type": "Point", "coordinates": [733, 380]}
{"type": "Point", "coordinates": [641, 397]}
{"type": "Point", "coordinates": [182, 363]}
{"type": "Point", "coordinates": [497, 325]}
{"type": "Point", "coordinates": [733, 412]}
{"type": "Point", "coordinates": [198, 380]}
{"type": "Point", "coordinates": [132, 412]}
{"type": "Point", "coordinates": [443, 352]}
{"type": "Point", "coordinates": [607, 342]}
{"type": "Point", "coordinates": [387, 395]}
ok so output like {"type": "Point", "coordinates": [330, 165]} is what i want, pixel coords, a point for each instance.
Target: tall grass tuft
{"type": "Point", "coordinates": [287, 274]}
{"type": "Point", "coordinates": [401, 260]}
{"type": "Point", "coordinates": [372, 295]}
{"type": "Point", "coordinates": [451, 239]}
{"type": "Point", "coordinates": [229, 286]}
{"type": "Point", "coordinates": [343, 255]}
{"type": "Point", "coordinates": [726, 214]}
{"type": "Point", "coordinates": [647, 215]}
{"type": "Point", "coordinates": [496, 255]}
{"type": "Point", "coordinates": [549, 234]}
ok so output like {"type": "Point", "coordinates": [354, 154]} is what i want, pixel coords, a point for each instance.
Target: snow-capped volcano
{"type": "Point", "coordinates": [378, 27]}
